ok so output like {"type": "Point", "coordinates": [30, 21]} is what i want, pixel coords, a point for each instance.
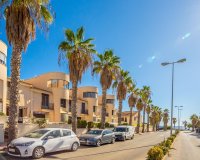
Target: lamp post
{"type": "Point", "coordinates": [179, 115]}
{"type": "Point", "coordinates": [172, 100]}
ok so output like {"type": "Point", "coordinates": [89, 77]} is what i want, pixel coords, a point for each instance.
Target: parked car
{"type": "Point", "coordinates": [42, 141]}
{"type": "Point", "coordinates": [124, 132]}
{"type": "Point", "coordinates": [97, 137]}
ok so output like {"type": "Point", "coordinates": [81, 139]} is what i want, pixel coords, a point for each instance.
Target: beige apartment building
{"type": "Point", "coordinates": [49, 96]}
{"type": "Point", "coordinates": [126, 117]}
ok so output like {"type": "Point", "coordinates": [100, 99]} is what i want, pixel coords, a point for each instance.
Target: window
{"type": "Point", "coordinates": [89, 95]}
{"type": "Point", "coordinates": [112, 112]}
{"type": "Point", "coordinates": [94, 119]}
{"type": "Point", "coordinates": [109, 132]}
{"type": "Point", "coordinates": [94, 108]}
{"type": "Point", "coordinates": [63, 103]}
{"type": "Point", "coordinates": [110, 101]}
{"type": "Point", "coordinates": [54, 134]}
{"type": "Point", "coordinates": [83, 108]}
{"type": "Point", "coordinates": [45, 100]}
{"type": "Point", "coordinates": [70, 105]}
{"type": "Point", "coordinates": [2, 58]}
{"type": "Point", "coordinates": [66, 133]}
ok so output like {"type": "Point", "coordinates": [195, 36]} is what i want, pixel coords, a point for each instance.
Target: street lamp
{"type": "Point", "coordinates": [172, 100]}
{"type": "Point", "coordinates": [179, 115]}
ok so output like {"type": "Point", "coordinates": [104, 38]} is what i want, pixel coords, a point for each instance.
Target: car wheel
{"type": "Point", "coordinates": [132, 137]}
{"type": "Point", "coordinates": [98, 143]}
{"type": "Point", "coordinates": [38, 152]}
{"type": "Point", "coordinates": [124, 138]}
{"type": "Point", "coordinates": [74, 146]}
{"type": "Point", "coordinates": [113, 141]}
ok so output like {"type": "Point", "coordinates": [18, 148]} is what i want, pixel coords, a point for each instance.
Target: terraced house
{"type": "Point", "coordinates": [49, 96]}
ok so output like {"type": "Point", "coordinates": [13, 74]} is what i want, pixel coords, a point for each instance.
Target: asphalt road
{"type": "Point", "coordinates": [186, 147]}
{"type": "Point", "coordinates": [135, 149]}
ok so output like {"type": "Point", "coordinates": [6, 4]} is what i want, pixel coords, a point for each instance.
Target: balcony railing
{"type": "Point", "coordinates": [49, 106]}
{"type": "Point", "coordinates": [84, 112]}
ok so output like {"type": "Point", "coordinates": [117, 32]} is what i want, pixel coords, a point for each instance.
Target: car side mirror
{"type": "Point", "coordinates": [103, 134]}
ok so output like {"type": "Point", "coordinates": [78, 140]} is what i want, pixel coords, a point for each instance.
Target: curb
{"type": "Point", "coordinates": [167, 155]}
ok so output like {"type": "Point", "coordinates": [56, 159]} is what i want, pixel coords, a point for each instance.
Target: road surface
{"type": "Point", "coordinates": [186, 147]}
{"type": "Point", "coordinates": [135, 149]}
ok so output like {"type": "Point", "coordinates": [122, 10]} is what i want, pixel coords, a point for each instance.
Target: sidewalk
{"type": "Point", "coordinates": [186, 147]}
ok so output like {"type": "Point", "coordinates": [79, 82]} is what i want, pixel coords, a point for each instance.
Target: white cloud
{"type": "Point", "coordinates": [187, 35]}
{"type": "Point", "coordinates": [140, 66]}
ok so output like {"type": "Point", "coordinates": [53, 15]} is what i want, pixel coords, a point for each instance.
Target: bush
{"type": "Point", "coordinates": [81, 124]}
{"type": "Point", "coordinates": [164, 149]}
{"type": "Point", "coordinates": [107, 125]}
{"type": "Point", "coordinates": [2, 114]}
{"type": "Point", "coordinates": [155, 153]}
{"type": "Point", "coordinates": [40, 121]}
{"type": "Point", "coordinates": [124, 124]}
{"type": "Point", "coordinates": [90, 125]}
{"type": "Point", "coordinates": [171, 138]}
{"type": "Point", "coordinates": [98, 125]}
{"type": "Point", "coordinates": [111, 126]}
{"type": "Point", "coordinates": [168, 143]}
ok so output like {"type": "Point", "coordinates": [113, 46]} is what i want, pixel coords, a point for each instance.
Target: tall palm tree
{"type": "Point", "coordinates": [165, 118]}
{"type": "Point", "coordinates": [107, 67]}
{"type": "Point", "coordinates": [132, 100]}
{"type": "Point", "coordinates": [155, 117]}
{"type": "Point", "coordinates": [21, 17]}
{"type": "Point", "coordinates": [194, 118]}
{"type": "Point", "coordinates": [145, 95]}
{"type": "Point", "coordinates": [160, 116]}
{"type": "Point", "coordinates": [122, 83]}
{"type": "Point", "coordinates": [185, 124]}
{"type": "Point", "coordinates": [79, 54]}
{"type": "Point", "coordinates": [174, 120]}
{"type": "Point", "coordinates": [139, 107]}
{"type": "Point", "coordinates": [148, 110]}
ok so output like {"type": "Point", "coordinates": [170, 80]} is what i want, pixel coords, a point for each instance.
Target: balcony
{"type": "Point", "coordinates": [84, 112]}
{"type": "Point", "coordinates": [49, 106]}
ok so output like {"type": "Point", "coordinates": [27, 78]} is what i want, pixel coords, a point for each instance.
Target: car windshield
{"type": "Point", "coordinates": [96, 132]}
{"type": "Point", "coordinates": [118, 129]}
{"type": "Point", "coordinates": [36, 134]}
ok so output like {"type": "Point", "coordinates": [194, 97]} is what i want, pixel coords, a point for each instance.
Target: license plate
{"type": "Point", "coordinates": [11, 150]}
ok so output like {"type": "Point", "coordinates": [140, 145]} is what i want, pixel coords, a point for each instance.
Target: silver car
{"type": "Point", "coordinates": [97, 137]}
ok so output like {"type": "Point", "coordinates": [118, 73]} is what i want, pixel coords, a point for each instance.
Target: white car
{"type": "Point", "coordinates": [42, 141]}
{"type": "Point", "coordinates": [124, 132]}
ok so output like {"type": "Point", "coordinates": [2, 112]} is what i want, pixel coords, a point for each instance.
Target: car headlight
{"type": "Point", "coordinates": [24, 144]}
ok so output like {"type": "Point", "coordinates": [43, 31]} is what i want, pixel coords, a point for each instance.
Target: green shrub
{"type": "Point", "coordinates": [40, 121]}
{"type": "Point", "coordinates": [177, 132]}
{"type": "Point", "coordinates": [171, 138]}
{"type": "Point", "coordinates": [164, 149]}
{"type": "Point", "coordinates": [124, 124]}
{"type": "Point", "coordinates": [168, 143]}
{"type": "Point", "coordinates": [107, 125]}
{"type": "Point", "coordinates": [2, 114]}
{"type": "Point", "coordinates": [111, 126]}
{"type": "Point", "coordinates": [155, 153]}
{"type": "Point", "coordinates": [90, 125]}
{"type": "Point", "coordinates": [98, 125]}
{"type": "Point", "coordinates": [81, 124]}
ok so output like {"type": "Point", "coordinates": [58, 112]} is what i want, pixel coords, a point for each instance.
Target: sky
{"type": "Point", "coordinates": [142, 33]}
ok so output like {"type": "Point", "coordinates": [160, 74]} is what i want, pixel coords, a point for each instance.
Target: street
{"type": "Point", "coordinates": [186, 147]}
{"type": "Point", "coordinates": [135, 149]}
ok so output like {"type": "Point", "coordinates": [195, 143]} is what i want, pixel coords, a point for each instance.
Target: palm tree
{"type": "Point", "coordinates": [155, 117]}
{"type": "Point", "coordinates": [194, 118]}
{"type": "Point", "coordinates": [185, 124]}
{"type": "Point", "coordinates": [132, 100]}
{"type": "Point", "coordinates": [79, 54]}
{"type": "Point", "coordinates": [165, 118]}
{"type": "Point", "coordinates": [148, 110]}
{"type": "Point", "coordinates": [159, 118]}
{"type": "Point", "coordinates": [21, 17]}
{"type": "Point", "coordinates": [174, 120]}
{"type": "Point", "coordinates": [139, 107]}
{"type": "Point", "coordinates": [145, 95]}
{"type": "Point", "coordinates": [107, 67]}
{"type": "Point", "coordinates": [122, 83]}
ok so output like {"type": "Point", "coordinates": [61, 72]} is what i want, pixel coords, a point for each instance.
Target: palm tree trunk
{"type": "Point", "coordinates": [120, 112]}
{"type": "Point", "coordinates": [147, 122]}
{"type": "Point", "coordinates": [74, 108]}
{"type": "Point", "coordinates": [14, 91]}
{"type": "Point", "coordinates": [143, 118]}
{"type": "Point", "coordinates": [103, 110]}
{"type": "Point", "coordinates": [138, 122]}
{"type": "Point", "coordinates": [131, 116]}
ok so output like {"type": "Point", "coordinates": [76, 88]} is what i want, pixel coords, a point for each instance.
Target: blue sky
{"type": "Point", "coordinates": [142, 33]}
